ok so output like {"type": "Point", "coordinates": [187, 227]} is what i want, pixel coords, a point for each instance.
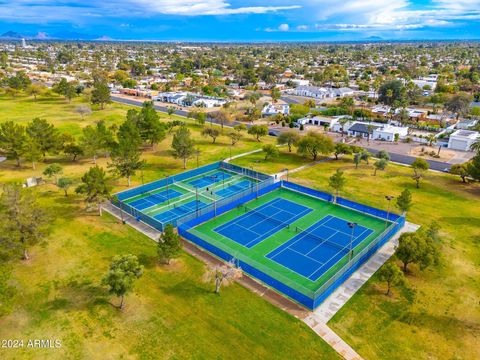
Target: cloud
{"type": "Point", "coordinates": [75, 10]}
{"type": "Point", "coordinates": [284, 27]}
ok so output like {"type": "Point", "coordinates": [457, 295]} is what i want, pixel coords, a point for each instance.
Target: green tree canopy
{"type": "Point", "coordinates": [183, 145]}
{"type": "Point", "coordinates": [288, 138]}
{"type": "Point", "coordinates": [124, 271]}
{"type": "Point", "coordinates": [313, 144]}
{"type": "Point", "coordinates": [169, 245]}
{"type": "Point", "coordinates": [391, 274]}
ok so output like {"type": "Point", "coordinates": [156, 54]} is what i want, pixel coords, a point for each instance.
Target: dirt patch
{"type": "Point", "coordinates": [431, 152]}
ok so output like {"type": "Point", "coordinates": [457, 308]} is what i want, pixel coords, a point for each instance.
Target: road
{"type": "Point", "coordinates": [398, 158]}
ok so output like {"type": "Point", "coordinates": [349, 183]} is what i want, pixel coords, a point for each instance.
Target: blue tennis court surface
{"type": "Point", "coordinates": [313, 251]}
{"type": "Point", "coordinates": [210, 179]}
{"type": "Point", "coordinates": [235, 188]}
{"type": "Point", "coordinates": [154, 199]}
{"type": "Point", "coordinates": [179, 211]}
{"type": "Point", "coordinates": [262, 222]}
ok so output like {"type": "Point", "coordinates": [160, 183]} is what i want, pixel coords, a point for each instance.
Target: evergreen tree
{"type": "Point", "coordinates": [169, 245]}
{"type": "Point", "coordinates": [12, 138]}
{"type": "Point", "coordinates": [183, 145]}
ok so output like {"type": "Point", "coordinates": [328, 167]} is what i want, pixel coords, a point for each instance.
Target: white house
{"type": "Point", "coordinates": [321, 92]}
{"type": "Point", "coordinates": [387, 132]}
{"type": "Point", "coordinates": [270, 110]}
{"type": "Point", "coordinates": [462, 139]}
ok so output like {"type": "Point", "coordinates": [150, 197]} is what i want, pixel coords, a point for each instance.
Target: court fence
{"type": "Point", "coordinates": [255, 190]}
{"type": "Point", "coordinates": [276, 279]}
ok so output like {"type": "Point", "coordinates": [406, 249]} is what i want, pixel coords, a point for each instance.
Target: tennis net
{"type": "Point", "coordinates": [306, 233]}
{"type": "Point", "coordinates": [266, 217]}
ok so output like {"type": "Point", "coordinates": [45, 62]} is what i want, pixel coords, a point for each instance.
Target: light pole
{"type": "Point", "coordinates": [256, 176]}
{"type": "Point", "coordinates": [168, 197]}
{"type": "Point", "coordinates": [389, 199]}
{"type": "Point", "coordinates": [351, 225]}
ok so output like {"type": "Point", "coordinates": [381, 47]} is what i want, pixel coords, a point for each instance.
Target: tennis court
{"type": "Point", "coordinates": [154, 199]}
{"type": "Point", "coordinates": [180, 210]}
{"type": "Point", "coordinates": [260, 223]}
{"type": "Point", "coordinates": [292, 239]}
{"type": "Point", "coordinates": [210, 179]}
{"type": "Point", "coordinates": [174, 197]}
{"type": "Point", "coordinates": [315, 250]}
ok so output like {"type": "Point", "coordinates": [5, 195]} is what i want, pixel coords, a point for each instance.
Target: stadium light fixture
{"type": "Point", "coordinates": [351, 225]}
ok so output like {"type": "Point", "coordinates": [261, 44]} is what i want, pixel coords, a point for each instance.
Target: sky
{"type": "Point", "coordinates": [244, 20]}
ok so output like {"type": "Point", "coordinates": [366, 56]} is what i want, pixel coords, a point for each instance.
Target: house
{"type": "Point", "coordinates": [462, 139]}
{"type": "Point", "coordinates": [359, 129]}
{"type": "Point", "coordinates": [388, 132]}
{"type": "Point", "coordinates": [466, 124]}
{"type": "Point", "coordinates": [321, 92]}
{"type": "Point", "coordinates": [270, 110]}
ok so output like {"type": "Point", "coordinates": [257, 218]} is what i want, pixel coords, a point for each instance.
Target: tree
{"type": "Point", "coordinates": [313, 144]}
{"type": "Point", "coordinates": [126, 152]}
{"type": "Point", "coordinates": [459, 104]}
{"type": "Point", "coordinates": [275, 94]}
{"type": "Point", "coordinates": [391, 91]}
{"type": "Point", "coordinates": [419, 167]}
{"type": "Point", "coordinates": [382, 154]}
{"type": "Point", "coordinates": [53, 170]}
{"type": "Point", "coordinates": [19, 82]}
{"type": "Point", "coordinates": [123, 272]}
{"type": "Point", "coordinates": [73, 150]}
{"type": "Point", "coordinates": [239, 128]}
{"type": "Point", "coordinates": [417, 248]}
{"type": "Point", "coordinates": [460, 170]}
{"type": "Point", "coordinates": [64, 184]}
{"type": "Point", "coordinates": [270, 151]}
{"type": "Point", "coordinates": [234, 136]}
{"type": "Point", "coordinates": [223, 274]}
{"type": "Point", "coordinates": [35, 90]}
{"type": "Point", "coordinates": [357, 159]}
{"type": "Point", "coordinates": [404, 201]}
{"type": "Point", "coordinates": [476, 146]}
{"type": "Point", "coordinates": [212, 132]}
{"type": "Point", "coordinates": [83, 110]}
{"type": "Point", "coordinates": [258, 131]}
{"type": "Point", "coordinates": [12, 138]}
{"type": "Point", "coordinates": [391, 274]}
{"type": "Point", "coordinates": [148, 123]}
{"type": "Point", "coordinates": [31, 150]}
{"type": "Point", "coordinates": [170, 110]}
{"type": "Point", "coordinates": [24, 222]}
{"type": "Point", "coordinates": [289, 138]}
{"type": "Point", "coordinates": [337, 182]}
{"type": "Point", "coordinates": [101, 94]}
{"type": "Point", "coordinates": [96, 139]}
{"type": "Point", "coordinates": [47, 136]}
{"type": "Point", "coordinates": [342, 148]}
{"type": "Point", "coordinates": [169, 245]}
{"type": "Point", "coordinates": [95, 187]}
{"type": "Point", "coordinates": [183, 145]}
{"type": "Point", "coordinates": [473, 167]}
{"type": "Point", "coordinates": [380, 164]}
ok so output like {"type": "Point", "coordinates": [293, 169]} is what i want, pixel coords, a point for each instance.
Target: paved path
{"type": "Point", "coordinates": [318, 319]}
{"type": "Point", "coordinates": [290, 171]}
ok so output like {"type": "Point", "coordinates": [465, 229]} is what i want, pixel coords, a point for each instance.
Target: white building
{"type": "Point", "coordinates": [321, 92]}
{"type": "Point", "coordinates": [462, 139]}
{"type": "Point", "coordinates": [387, 132]}
{"type": "Point", "coordinates": [270, 110]}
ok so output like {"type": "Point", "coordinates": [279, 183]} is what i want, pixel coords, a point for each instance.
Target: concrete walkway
{"type": "Point", "coordinates": [317, 320]}
{"type": "Point", "coordinates": [300, 168]}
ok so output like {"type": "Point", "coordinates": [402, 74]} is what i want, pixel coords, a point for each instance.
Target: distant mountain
{"type": "Point", "coordinates": [11, 35]}
{"type": "Point", "coordinates": [374, 38]}
{"type": "Point", "coordinates": [66, 35]}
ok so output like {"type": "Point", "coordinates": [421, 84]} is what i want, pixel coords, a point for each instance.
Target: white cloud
{"type": "Point", "coordinates": [48, 10]}
{"type": "Point", "coordinates": [284, 27]}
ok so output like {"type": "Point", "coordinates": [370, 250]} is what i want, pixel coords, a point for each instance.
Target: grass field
{"type": "Point", "coordinates": [171, 314]}
{"type": "Point", "coordinates": [436, 315]}
{"type": "Point", "coordinates": [257, 254]}
{"type": "Point", "coordinates": [160, 162]}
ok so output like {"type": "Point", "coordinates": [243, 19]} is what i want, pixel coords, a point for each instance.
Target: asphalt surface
{"type": "Point", "coordinates": [398, 158]}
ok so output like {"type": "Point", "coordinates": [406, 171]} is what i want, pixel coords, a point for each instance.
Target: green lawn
{"type": "Point", "coordinates": [289, 160]}
{"type": "Point", "coordinates": [171, 314]}
{"type": "Point", "coordinates": [160, 162]}
{"type": "Point", "coordinates": [256, 255]}
{"type": "Point", "coordinates": [436, 316]}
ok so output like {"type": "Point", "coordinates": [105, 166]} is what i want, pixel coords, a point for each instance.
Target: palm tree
{"type": "Point", "coordinates": [476, 146]}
